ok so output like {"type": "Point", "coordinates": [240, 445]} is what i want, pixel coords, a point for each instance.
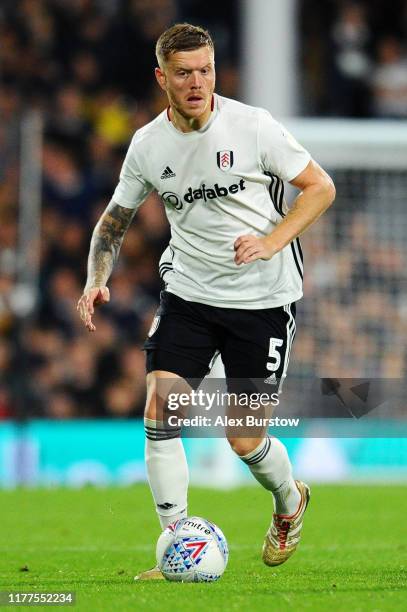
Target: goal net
{"type": "Point", "coordinates": [352, 322]}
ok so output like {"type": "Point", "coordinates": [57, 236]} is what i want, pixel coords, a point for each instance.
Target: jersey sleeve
{"type": "Point", "coordinates": [132, 188]}
{"type": "Point", "coordinates": [279, 152]}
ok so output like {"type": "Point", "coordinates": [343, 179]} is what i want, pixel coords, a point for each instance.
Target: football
{"type": "Point", "coordinates": [192, 550]}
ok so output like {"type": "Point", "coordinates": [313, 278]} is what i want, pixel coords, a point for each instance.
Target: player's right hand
{"type": "Point", "coordinates": [86, 305]}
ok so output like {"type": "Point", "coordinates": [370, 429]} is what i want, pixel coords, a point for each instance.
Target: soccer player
{"type": "Point", "coordinates": [232, 271]}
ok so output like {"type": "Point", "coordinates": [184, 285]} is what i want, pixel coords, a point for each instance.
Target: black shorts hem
{"type": "Point", "coordinates": [184, 366]}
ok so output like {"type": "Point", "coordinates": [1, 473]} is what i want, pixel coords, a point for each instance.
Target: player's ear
{"type": "Point", "coordinates": [160, 76]}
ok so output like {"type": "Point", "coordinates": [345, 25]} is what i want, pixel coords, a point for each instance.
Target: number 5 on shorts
{"type": "Point", "coordinates": [275, 343]}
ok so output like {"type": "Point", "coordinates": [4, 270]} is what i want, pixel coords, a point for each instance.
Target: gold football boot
{"type": "Point", "coordinates": [284, 534]}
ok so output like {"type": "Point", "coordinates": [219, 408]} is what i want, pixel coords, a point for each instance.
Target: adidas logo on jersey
{"type": "Point", "coordinates": [217, 191]}
{"type": "Point", "coordinates": [168, 173]}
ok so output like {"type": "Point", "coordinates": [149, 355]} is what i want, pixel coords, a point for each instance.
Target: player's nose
{"type": "Point", "coordinates": [196, 80]}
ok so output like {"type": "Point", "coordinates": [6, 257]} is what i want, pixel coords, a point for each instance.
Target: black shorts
{"type": "Point", "coordinates": [186, 336]}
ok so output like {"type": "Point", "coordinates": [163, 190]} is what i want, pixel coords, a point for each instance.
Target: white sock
{"type": "Point", "coordinates": [270, 465]}
{"type": "Point", "coordinates": [167, 471]}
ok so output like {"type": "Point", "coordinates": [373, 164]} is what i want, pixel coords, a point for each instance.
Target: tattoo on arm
{"type": "Point", "coordinates": [106, 241]}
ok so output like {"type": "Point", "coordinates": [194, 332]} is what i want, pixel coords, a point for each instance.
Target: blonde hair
{"type": "Point", "coordinates": [181, 37]}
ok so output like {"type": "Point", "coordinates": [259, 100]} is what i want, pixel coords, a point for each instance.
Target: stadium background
{"type": "Point", "coordinates": [70, 402]}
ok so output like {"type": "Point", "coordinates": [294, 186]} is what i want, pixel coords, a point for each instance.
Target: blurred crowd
{"type": "Point", "coordinates": [87, 65]}
{"type": "Point", "coordinates": [354, 57]}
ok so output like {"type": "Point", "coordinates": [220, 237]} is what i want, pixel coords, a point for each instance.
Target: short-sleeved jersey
{"type": "Point", "coordinates": [219, 183]}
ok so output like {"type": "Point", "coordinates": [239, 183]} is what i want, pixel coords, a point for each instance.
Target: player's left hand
{"type": "Point", "coordinates": [249, 248]}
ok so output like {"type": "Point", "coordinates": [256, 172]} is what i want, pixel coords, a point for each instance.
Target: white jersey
{"type": "Point", "coordinates": [217, 184]}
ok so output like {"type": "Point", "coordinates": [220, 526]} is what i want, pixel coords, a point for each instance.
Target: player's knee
{"type": "Point", "coordinates": [150, 410]}
{"type": "Point", "coordinates": [243, 446]}
{"type": "Point", "coordinates": [159, 385]}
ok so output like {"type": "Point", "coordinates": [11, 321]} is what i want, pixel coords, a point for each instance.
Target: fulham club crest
{"type": "Point", "coordinates": [225, 160]}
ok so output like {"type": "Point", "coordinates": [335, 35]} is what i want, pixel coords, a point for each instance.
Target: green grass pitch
{"type": "Point", "coordinates": [353, 555]}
